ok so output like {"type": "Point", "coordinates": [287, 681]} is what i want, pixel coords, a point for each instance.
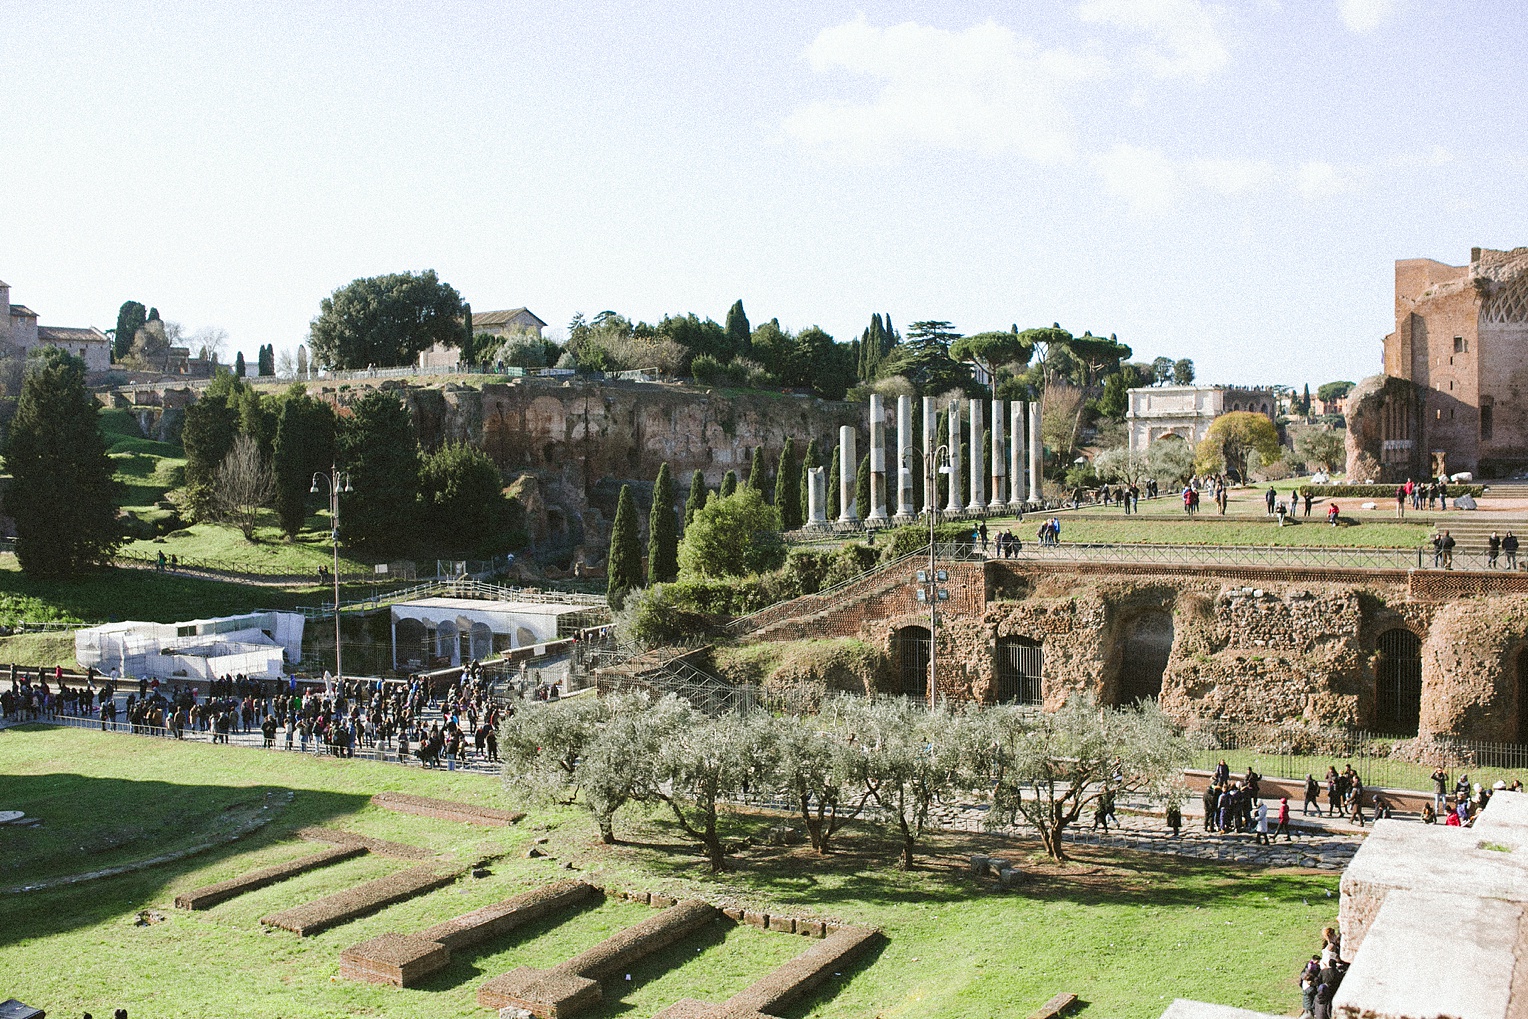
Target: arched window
{"type": "Point", "coordinates": [910, 648]}
{"type": "Point", "coordinates": [1398, 683]}
{"type": "Point", "coordinates": [1148, 644]}
{"type": "Point", "coordinates": [1020, 666]}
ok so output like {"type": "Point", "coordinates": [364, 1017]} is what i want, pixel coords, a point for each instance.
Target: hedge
{"type": "Point", "coordinates": [1381, 491]}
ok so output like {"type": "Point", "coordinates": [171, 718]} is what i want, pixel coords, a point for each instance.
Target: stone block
{"type": "Point", "coordinates": [756, 919]}
{"type": "Point", "coordinates": [811, 928]}
{"type": "Point", "coordinates": [979, 866]}
{"type": "Point", "coordinates": [208, 896]}
{"type": "Point", "coordinates": [733, 913]}
{"type": "Point", "coordinates": [642, 897]}
{"type": "Point", "coordinates": [396, 959]}
{"type": "Point", "coordinates": [661, 901]}
{"type": "Point", "coordinates": [361, 900]}
{"type": "Point", "coordinates": [549, 994]}
{"type": "Point", "coordinates": [782, 924]}
{"type": "Point", "coordinates": [787, 984]}
{"type": "Point", "coordinates": [446, 810]}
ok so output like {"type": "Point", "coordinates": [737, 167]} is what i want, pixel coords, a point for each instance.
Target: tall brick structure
{"type": "Point", "coordinates": [1461, 339]}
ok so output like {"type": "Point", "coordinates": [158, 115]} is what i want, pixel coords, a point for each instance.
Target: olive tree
{"type": "Point", "coordinates": [816, 766]}
{"type": "Point", "coordinates": [1048, 768]}
{"type": "Point", "coordinates": [906, 758]}
{"type": "Point", "coordinates": [703, 762]}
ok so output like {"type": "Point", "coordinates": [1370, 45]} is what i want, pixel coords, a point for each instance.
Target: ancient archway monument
{"type": "Point", "coordinates": [1396, 651]}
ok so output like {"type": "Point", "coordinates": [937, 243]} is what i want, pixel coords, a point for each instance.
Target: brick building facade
{"type": "Point", "coordinates": [1461, 339]}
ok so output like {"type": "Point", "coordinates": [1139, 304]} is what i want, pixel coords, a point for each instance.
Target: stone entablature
{"type": "Point", "coordinates": [1187, 411]}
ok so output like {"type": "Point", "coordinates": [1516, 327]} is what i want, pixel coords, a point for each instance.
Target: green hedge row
{"type": "Point", "coordinates": [1380, 491]}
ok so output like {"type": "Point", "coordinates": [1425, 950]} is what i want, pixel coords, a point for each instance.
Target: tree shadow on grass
{"type": "Point", "coordinates": [862, 870]}
{"type": "Point", "coordinates": [93, 824]}
{"type": "Point", "coordinates": [655, 966]}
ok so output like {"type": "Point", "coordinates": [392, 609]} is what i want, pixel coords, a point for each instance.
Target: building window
{"type": "Point", "coordinates": [1460, 346]}
{"type": "Point", "coordinates": [1486, 422]}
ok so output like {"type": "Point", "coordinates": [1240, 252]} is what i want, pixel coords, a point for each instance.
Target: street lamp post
{"type": "Point", "coordinates": [338, 481]}
{"type": "Point", "coordinates": [929, 581]}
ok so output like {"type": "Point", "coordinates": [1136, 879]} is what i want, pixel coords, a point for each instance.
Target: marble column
{"type": "Point", "coordinates": [817, 497]}
{"type": "Point", "coordinates": [999, 455]}
{"type": "Point", "coordinates": [848, 474]}
{"type": "Point", "coordinates": [1036, 455]}
{"type": "Point", "coordinates": [1016, 454]}
{"type": "Point", "coordinates": [877, 460]}
{"type": "Point", "coordinates": [904, 459]}
{"type": "Point", "coordinates": [930, 479]}
{"type": "Point", "coordinates": [978, 472]}
{"type": "Point", "coordinates": [953, 505]}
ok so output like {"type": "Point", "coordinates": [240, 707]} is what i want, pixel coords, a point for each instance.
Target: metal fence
{"type": "Point", "coordinates": [1400, 762]}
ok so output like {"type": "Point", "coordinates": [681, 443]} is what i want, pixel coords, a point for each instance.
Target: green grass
{"type": "Point", "coordinates": [1211, 530]}
{"type": "Point", "coordinates": [223, 547]}
{"type": "Point", "coordinates": [1384, 772]}
{"type": "Point", "coordinates": [1127, 932]}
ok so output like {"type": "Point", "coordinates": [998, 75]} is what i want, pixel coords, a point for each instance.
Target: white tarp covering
{"type": "Point", "coordinates": [257, 644]}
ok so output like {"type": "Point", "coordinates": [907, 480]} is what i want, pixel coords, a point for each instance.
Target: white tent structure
{"type": "Point", "coordinates": [455, 630]}
{"type": "Point", "coordinates": [258, 644]}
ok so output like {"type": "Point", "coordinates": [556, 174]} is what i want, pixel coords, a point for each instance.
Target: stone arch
{"type": "Point", "coordinates": [1019, 666]}
{"type": "Point", "coordinates": [447, 642]}
{"type": "Point", "coordinates": [1398, 682]}
{"type": "Point", "coordinates": [1236, 405]}
{"type": "Point", "coordinates": [413, 643]}
{"type": "Point", "coordinates": [1147, 645]}
{"type": "Point", "coordinates": [910, 652]}
{"type": "Point", "coordinates": [480, 641]}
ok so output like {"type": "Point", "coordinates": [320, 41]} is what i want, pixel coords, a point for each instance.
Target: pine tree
{"type": "Point", "coordinates": [624, 573]}
{"type": "Point", "coordinates": [833, 485]}
{"type": "Point", "coordinates": [238, 365]}
{"type": "Point", "coordinates": [862, 488]}
{"type": "Point", "coordinates": [812, 459]}
{"type": "Point", "coordinates": [62, 496]}
{"type": "Point", "coordinates": [697, 497]}
{"type": "Point", "coordinates": [739, 333]}
{"type": "Point", "coordinates": [304, 446]}
{"type": "Point", "coordinates": [756, 479]}
{"type": "Point", "coordinates": [662, 535]}
{"type": "Point", "coordinates": [729, 483]}
{"type": "Point", "coordinates": [788, 487]}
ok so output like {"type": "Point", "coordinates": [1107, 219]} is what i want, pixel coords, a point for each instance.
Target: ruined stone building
{"type": "Point", "coordinates": [19, 329]}
{"type": "Point", "coordinates": [1451, 398]}
{"type": "Point", "coordinates": [1187, 411]}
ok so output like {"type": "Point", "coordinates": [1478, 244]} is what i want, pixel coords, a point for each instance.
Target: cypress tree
{"type": "Point", "coordinates": [130, 318]}
{"type": "Point", "coordinates": [812, 459]}
{"type": "Point", "coordinates": [238, 365]}
{"type": "Point", "coordinates": [862, 487]}
{"type": "Point", "coordinates": [788, 487]}
{"type": "Point", "coordinates": [624, 572]}
{"type": "Point", "coordinates": [697, 497]}
{"type": "Point", "coordinates": [469, 341]}
{"type": "Point", "coordinates": [662, 535]}
{"type": "Point", "coordinates": [62, 495]}
{"type": "Point", "coordinates": [756, 477]}
{"type": "Point", "coordinates": [739, 333]}
{"type": "Point", "coordinates": [304, 446]}
{"type": "Point", "coordinates": [942, 481]}
{"type": "Point", "coordinates": [834, 470]}
{"type": "Point", "coordinates": [729, 483]}
{"type": "Point", "coordinates": [987, 456]}
{"type": "Point", "coordinates": [378, 446]}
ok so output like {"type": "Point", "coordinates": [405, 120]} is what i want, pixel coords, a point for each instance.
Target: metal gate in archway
{"type": "Point", "coordinates": [911, 652]}
{"type": "Point", "coordinates": [1020, 666]}
{"type": "Point", "coordinates": [1398, 683]}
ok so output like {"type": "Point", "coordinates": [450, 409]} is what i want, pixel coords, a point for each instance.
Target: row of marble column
{"type": "Point", "coordinates": [1023, 423]}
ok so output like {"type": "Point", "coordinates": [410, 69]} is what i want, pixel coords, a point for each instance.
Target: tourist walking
{"type": "Point", "coordinates": [1509, 546]}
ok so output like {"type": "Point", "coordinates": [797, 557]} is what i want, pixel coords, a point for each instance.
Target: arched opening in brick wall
{"type": "Point", "coordinates": [1143, 660]}
{"type": "Point", "coordinates": [1522, 695]}
{"type": "Point", "coordinates": [1020, 667]}
{"type": "Point", "coordinates": [910, 649]}
{"type": "Point", "coordinates": [1398, 683]}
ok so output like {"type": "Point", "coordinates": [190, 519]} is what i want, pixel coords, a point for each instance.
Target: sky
{"type": "Point", "coordinates": [1227, 182]}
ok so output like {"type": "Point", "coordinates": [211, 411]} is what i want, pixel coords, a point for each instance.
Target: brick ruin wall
{"type": "Point", "coordinates": [1268, 646]}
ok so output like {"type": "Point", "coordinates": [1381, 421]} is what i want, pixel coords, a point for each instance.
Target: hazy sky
{"type": "Point", "coordinates": [1229, 182]}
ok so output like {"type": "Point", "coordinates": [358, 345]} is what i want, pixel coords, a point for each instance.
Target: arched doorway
{"type": "Point", "coordinates": [1522, 696]}
{"type": "Point", "coordinates": [1020, 668]}
{"type": "Point", "coordinates": [910, 648]}
{"type": "Point", "coordinates": [1143, 659]}
{"type": "Point", "coordinates": [1398, 683]}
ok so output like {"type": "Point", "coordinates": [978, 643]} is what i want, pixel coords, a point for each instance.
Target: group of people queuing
{"type": "Point", "coordinates": [1237, 806]}
{"type": "Point", "coordinates": [33, 697]}
{"type": "Point", "coordinates": [1344, 796]}
{"type": "Point", "coordinates": [1459, 803]}
{"type": "Point", "coordinates": [1321, 975]}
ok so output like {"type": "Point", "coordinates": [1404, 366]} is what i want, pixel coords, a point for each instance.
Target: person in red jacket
{"type": "Point", "coordinates": [1283, 820]}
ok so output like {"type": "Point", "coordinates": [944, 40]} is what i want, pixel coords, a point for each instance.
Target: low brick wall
{"type": "Point", "coordinates": [208, 896]}
{"type": "Point", "coordinates": [401, 960]}
{"type": "Point", "coordinates": [573, 986]}
{"type": "Point", "coordinates": [362, 900]}
{"type": "Point", "coordinates": [446, 810]}
{"type": "Point", "coordinates": [778, 991]}
{"type": "Point", "coordinates": [381, 847]}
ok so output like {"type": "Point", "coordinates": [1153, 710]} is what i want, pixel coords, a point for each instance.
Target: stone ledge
{"type": "Point", "coordinates": [361, 900]}
{"type": "Point", "coordinates": [446, 810]}
{"type": "Point", "coordinates": [208, 896]}
{"type": "Point", "coordinates": [397, 959]}
{"type": "Point", "coordinates": [381, 847]}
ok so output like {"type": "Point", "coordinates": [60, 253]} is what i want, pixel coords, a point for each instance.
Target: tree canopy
{"type": "Point", "coordinates": [1232, 437]}
{"type": "Point", "coordinates": [386, 321]}
{"type": "Point", "coordinates": [378, 447]}
{"type": "Point", "coordinates": [732, 536]}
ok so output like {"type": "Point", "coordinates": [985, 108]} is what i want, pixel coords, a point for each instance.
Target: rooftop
{"type": "Point", "coordinates": [498, 318]}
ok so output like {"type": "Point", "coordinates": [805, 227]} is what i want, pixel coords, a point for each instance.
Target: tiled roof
{"type": "Point", "coordinates": [70, 334]}
{"type": "Point", "coordinates": [22, 311]}
{"type": "Point", "coordinates": [499, 318]}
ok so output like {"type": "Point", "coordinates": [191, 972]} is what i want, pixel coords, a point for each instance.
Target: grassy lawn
{"type": "Point", "coordinates": [1215, 530]}
{"type": "Point", "coordinates": [1127, 932]}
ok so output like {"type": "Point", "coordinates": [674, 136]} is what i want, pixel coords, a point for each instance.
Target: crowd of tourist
{"type": "Point", "coordinates": [1321, 976]}
{"type": "Point", "coordinates": [1459, 803]}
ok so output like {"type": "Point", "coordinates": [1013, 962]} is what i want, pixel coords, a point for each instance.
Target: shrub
{"type": "Point", "coordinates": [656, 617]}
{"type": "Point", "coordinates": [732, 537]}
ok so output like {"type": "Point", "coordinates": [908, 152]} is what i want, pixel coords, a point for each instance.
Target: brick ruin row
{"type": "Point", "coordinates": [1392, 651]}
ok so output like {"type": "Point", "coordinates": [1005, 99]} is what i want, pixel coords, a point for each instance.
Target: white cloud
{"type": "Point", "coordinates": [1365, 15]}
{"type": "Point", "coordinates": [1144, 178]}
{"type": "Point", "coordinates": [1231, 176]}
{"type": "Point", "coordinates": [982, 88]}
{"type": "Point", "coordinates": [1317, 179]}
{"type": "Point", "coordinates": [1186, 35]}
